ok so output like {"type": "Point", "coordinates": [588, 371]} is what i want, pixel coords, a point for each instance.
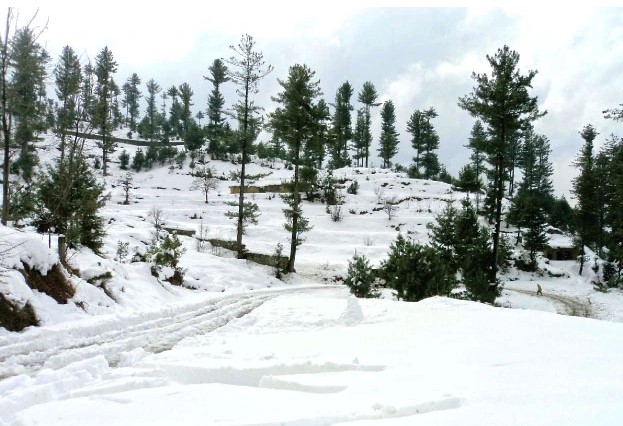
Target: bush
{"type": "Point", "coordinates": [138, 162]}
{"type": "Point", "coordinates": [124, 160]}
{"type": "Point", "coordinates": [165, 257]}
{"type": "Point", "coordinates": [353, 188]}
{"type": "Point", "coordinates": [360, 278]}
{"type": "Point", "coordinates": [416, 271]}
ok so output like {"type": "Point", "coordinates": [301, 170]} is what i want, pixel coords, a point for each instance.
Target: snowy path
{"type": "Point", "coordinates": [154, 331]}
{"type": "Point", "coordinates": [569, 305]}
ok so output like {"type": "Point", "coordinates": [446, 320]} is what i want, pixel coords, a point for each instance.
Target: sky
{"type": "Point", "coordinates": [416, 56]}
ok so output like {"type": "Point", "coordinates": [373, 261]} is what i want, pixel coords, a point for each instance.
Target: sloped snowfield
{"type": "Point", "coordinates": [246, 348]}
{"type": "Point", "coordinates": [325, 358]}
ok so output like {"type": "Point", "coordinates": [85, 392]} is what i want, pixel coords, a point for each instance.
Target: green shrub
{"type": "Point", "coordinates": [360, 278]}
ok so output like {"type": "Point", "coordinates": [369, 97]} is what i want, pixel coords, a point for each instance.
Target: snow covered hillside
{"type": "Point", "coordinates": [129, 348]}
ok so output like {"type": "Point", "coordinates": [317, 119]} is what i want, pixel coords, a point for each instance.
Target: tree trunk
{"type": "Point", "coordinates": [6, 124]}
{"type": "Point", "coordinates": [245, 126]}
{"type": "Point", "coordinates": [295, 208]}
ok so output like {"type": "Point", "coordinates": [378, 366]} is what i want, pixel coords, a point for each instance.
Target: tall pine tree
{"type": "Point", "coordinates": [105, 68]}
{"type": "Point", "coordinates": [247, 69]}
{"type": "Point", "coordinates": [367, 97]}
{"type": "Point", "coordinates": [132, 95]}
{"type": "Point", "coordinates": [389, 136]}
{"type": "Point", "coordinates": [295, 121]}
{"type": "Point", "coordinates": [216, 104]}
{"type": "Point", "coordinates": [584, 188]}
{"type": "Point", "coordinates": [503, 103]}
{"type": "Point", "coordinates": [342, 131]}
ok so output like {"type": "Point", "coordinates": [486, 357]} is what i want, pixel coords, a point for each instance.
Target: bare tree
{"type": "Point", "coordinates": [205, 181]}
{"type": "Point", "coordinates": [156, 217]}
{"type": "Point", "coordinates": [390, 206]}
{"type": "Point", "coordinates": [126, 185]}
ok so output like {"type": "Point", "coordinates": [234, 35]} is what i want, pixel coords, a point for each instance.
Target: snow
{"type": "Point", "coordinates": [299, 359]}
{"type": "Point", "coordinates": [237, 346]}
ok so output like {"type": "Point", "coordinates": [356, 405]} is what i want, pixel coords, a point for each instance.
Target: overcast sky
{"type": "Point", "coordinates": [417, 57]}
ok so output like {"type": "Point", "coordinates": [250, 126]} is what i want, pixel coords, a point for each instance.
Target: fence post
{"type": "Point", "coordinates": [62, 248]}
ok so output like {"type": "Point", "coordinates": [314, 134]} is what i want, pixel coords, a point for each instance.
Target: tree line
{"type": "Point", "coordinates": [307, 131]}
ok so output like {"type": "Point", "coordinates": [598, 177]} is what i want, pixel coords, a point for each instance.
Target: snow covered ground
{"type": "Point", "coordinates": [246, 348]}
{"type": "Point", "coordinates": [324, 358]}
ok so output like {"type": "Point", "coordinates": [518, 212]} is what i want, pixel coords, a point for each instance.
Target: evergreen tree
{"type": "Point", "coordinates": [216, 103]}
{"type": "Point", "coordinates": [341, 126]}
{"type": "Point", "coordinates": [105, 68]}
{"type": "Point", "coordinates": [360, 277]}
{"type": "Point", "coordinates": [416, 271]}
{"type": "Point", "coordinates": [248, 68]}
{"type": "Point", "coordinates": [150, 128]}
{"type": "Point", "coordinates": [584, 188]}
{"type": "Point", "coordinates": [124, 160]}
{"type": "Point", "coordinates": [615, 213]}
{"type": "Point", "coordinates": [503, 103]}
{"type": "Point", "coordinates": [561, 215]}
{"type": "Point", "coordinates": [424, 140]}
{"type": "Point", "coordinates": [389, 136]}
{"type": "Point", "coordinates": [367, 97]}
{"type": "Point", "coordinates": [175, 113]}
{"type": "Point", "coordinates": [132, 95]}
{"type": "Point", "coordinates": [295, 121]}
{"type": "Point", "coordinates": [477, 143]}
{"type": "Point", "coordinates": [88, 95]}
{"type": "Point", "coordinates": [68, 77]}
{"type": "Point", "coordinates": [468, 180]}
{"type": "Point", "coordinates": [315, 149]}
{"type": "Point", "coordinates": [28, 61]}
{"type": "Point", "coordinates": [360, 138]}
{"type": "Point", "coordinates": [534, 197]}
{"type": "Point", "coordinates": [463, 245]}
{"type": "Point", "coordinates": [5, 112]}
{"type": "Point", "coordinates": [186, 118]}
{"type": "Point", "coordinates": [69, 202]}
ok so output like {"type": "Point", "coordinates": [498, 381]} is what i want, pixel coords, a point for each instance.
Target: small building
{"type": "Point", "coordinates": [261, 189]}
{"type": "Point", "coordinates": [560, 246]}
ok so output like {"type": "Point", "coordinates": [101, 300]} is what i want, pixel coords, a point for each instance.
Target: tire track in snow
{"type": "Point", "coordinates": [570, 306]}
{"type": "Point", "coordinates": [155, 331]}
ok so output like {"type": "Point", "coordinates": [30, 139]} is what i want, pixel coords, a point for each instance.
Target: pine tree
{"type": "Point", "coordinates": [248, 68]}
{"type": "Point", "coordinates": [69, 202]}
{"type": "Point", "coordinates": [295, 121]}
{"type": "Point", "coordinates": [532, 203]}
{"type": "Point", "coordinates": [367, 97]}
{"type": "Point", "coordinates": [477, 143]}
{"type": "Point", "coordinates": [28, 60]}
{"type": "Point", "coordinates": [424, 139]}
{"type": "Point", "coordinates": [175, 114]}
{"type": "Point", "coordinates": [105, 68]}
{"type": "Point", "coordinates": [584, 188]}
{"type": "Point", "coordinates": [68, 76]}
{"type": "Point", "coordinates": [389, 136]}
{"type": "Point", "coordinates": [5, 112]}
{"type": "Point", "coordinates": [150, 128]}
{"type": "Point", "coordinates": [315, 149]}
{"type": "Point", "coordinates": [186, 118]}
{"type": "Point", "coordinates": [503, 103]}
{"type": "Point", "coordinates": [216, 103]}
{"type": "Point", "coordinates": [132, 95]}
{"type": "Point", "coordinates": [416, 271]}
{"type": "Point", "coordinates": [360, 137]}
{"type": "Point", "coordinates": [360, 277]}
{"type": "Point", "coordinates": [341, 130]}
